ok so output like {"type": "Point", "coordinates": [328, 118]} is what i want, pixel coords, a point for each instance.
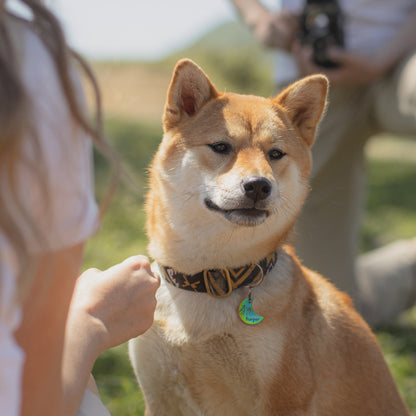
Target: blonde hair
{"type": "Point", "coordinates": [15, 114]}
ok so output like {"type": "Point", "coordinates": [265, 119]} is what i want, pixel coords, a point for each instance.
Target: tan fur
{"type": "Point", "coordinates": [312, 354]}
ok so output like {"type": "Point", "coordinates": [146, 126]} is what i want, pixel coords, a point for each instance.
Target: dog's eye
{"type": "Point", "coordinates": [276, 154]}
{"type": "Point", "coordinates": [221, 147]}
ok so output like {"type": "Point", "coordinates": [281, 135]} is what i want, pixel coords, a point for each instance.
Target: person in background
{"type": "Point", "coordinates": [52, 325]}
{"type": "Point", "coordinates": [373, 90]}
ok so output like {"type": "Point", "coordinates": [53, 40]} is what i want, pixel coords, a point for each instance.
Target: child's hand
{"type": "Point", "coordinates": [114, 305]}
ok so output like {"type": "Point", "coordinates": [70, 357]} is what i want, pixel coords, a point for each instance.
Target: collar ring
{"type": "Point", "coordinates": [206, 274]}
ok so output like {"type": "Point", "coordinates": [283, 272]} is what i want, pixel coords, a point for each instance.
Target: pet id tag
{"type": "Point", "coordinates": [246, 312]}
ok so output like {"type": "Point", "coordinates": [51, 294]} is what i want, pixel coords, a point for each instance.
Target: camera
{"type": "Point", "coordinates": [321, 26]}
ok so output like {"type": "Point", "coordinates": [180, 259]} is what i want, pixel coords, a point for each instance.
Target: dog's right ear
{"type": "Point", "coordinates": [188, 91]}
{"type": "Point", "coordinates": [305, 101]}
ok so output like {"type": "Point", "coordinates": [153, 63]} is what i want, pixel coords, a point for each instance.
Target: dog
{"type": "Point", "coordinates": [241, 327]}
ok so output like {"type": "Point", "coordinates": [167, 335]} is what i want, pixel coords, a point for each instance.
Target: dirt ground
{"type": "Point", "coordinates": [131, 91]}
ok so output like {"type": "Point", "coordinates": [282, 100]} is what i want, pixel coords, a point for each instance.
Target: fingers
{"type": "Point", "coordinates": [291, 20]}
{"type": "Point", "coordinates": [140, 262]}
{"type": "Point", "coordinates": [133, 271]}
{"type": "Point", "coordinates": [304, 58]}
{"type": "Point", "coordinates": [352, 70]}
{"type": "Point", "coordinates": [116, 304]}
{"type": "Point", "coordinates": [339, 55]}
{"type": "Point", "coordinates": [130, 265]}
{"type": "Point", "coordinates": [137, 261]}
{"type": "Point", "coordinates": [277, 30]}
{"type": "Point", "coordinates": [131, 277]}
{"type": "Point", "coordinates": [91, 271]}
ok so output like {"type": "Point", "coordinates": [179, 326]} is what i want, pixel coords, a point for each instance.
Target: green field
{"type": "Point", "coordinates": [133, 99]}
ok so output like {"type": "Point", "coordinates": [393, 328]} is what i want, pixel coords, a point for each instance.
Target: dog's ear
{"type": "Point", "coordinates": [304, 102]}
{"type": "Point", "coordinates": [188, 91]}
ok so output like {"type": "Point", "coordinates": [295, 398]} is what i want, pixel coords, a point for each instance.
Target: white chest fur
{"type": "Point", "coordinates": [200, 358]}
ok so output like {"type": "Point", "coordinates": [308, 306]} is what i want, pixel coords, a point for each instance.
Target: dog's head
{"type": "Point", "coordinates": [232, 163]}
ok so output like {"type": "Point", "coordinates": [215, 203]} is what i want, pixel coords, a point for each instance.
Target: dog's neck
{"type": "Point", "coordinates": [191, 252]}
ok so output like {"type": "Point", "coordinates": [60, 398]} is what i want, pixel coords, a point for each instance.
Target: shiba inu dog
{"type": "Point", "coordinates": [241, 327]}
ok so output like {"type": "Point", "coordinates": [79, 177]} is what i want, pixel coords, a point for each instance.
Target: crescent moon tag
{"type": "Point", "coordinates": [247, 314]}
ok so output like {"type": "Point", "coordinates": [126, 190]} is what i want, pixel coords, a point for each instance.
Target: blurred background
{"type": "Point", "coordinates": [133, 46]}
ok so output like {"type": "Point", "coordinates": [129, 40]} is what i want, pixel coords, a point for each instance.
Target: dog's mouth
{"type": "Point", "coordinates": [241, 216]}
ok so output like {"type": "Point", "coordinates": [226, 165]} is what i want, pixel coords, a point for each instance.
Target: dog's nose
{"type": "Point", "coordinates": [257, 188]}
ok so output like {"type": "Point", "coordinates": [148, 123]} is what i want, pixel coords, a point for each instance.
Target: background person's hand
{"type": "Point", "coordinates": [353, 69]}
{"type": "Point", "coordinates": [276, 30]}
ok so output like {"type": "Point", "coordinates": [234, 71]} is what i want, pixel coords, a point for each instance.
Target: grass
{"type": "Point", "coordinates": [391, 202]}
{"type": "Point", "coordinates": [117, 383]}
{"type": "Point", "coordinates": [122, 235]}
{"type": "Point", "coordinates": [390, 214]}
{"type": "Point", "coordinates": [122, 231]}
{"type": "Point", "coordinates": [398, 342]}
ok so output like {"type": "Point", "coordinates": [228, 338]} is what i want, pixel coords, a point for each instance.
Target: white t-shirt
{"type": "Point", "coordinates": [92, 405]}
{"type": "Point", "coordinates": [72, 216]}
{"type": "Point", "coordinates": [369, 24]}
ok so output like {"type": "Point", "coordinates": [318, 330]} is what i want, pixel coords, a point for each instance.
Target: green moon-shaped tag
{"type": "Point", "coordinates": [247, 314]}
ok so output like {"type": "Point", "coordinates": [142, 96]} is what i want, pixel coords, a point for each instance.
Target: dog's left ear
{"type": "Point", "coordinates": [188, 91]}
{"type": "Point", "coordinates": [304, 102]}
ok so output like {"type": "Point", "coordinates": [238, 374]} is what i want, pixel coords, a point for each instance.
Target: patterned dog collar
{"type": "Point", "coordinates": [220, 283]}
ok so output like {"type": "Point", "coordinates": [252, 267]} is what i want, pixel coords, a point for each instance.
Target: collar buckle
{"type": "Point", "coordinates": [214, 283]}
